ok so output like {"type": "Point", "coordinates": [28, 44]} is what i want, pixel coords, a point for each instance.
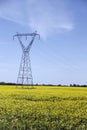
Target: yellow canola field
{"type": "Point", "coordinates": [43, 108]}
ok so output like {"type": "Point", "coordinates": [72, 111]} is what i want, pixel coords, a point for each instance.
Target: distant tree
{"type": "Point", "coordinates": [71, 85]}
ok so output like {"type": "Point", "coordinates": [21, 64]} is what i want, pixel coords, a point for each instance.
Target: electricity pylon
{"type": "Point", "coordinates": [25, 72]}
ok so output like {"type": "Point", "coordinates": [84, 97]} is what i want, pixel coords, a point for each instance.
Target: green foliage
{"type": "Point", "coordinates": [43, 108]}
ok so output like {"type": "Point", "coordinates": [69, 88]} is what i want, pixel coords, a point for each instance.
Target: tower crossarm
{"type": "Point", "coordinates": [33, 35]}
{"type": "Point", "coordinates": [26, 34]}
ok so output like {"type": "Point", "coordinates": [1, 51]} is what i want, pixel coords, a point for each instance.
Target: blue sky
{"type": "Point", "coordinates": [60, 56]}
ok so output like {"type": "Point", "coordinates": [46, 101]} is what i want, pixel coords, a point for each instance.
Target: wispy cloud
{"type": "Point", "coordinates": [45, 16]}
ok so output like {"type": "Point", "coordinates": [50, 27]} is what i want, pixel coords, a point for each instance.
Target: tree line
{"type": "Point", "coordinates": [71, 85]}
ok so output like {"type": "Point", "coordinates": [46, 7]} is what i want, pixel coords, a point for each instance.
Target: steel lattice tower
{"type": "Point", "coordinates": [25, 72]}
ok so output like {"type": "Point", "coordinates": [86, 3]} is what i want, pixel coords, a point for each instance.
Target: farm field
{"type": "Point", "coordinates": [43, 108]}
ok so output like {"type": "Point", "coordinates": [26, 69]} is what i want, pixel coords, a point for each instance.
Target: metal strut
{"type": "Point", "coordinates": [25, 73]}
